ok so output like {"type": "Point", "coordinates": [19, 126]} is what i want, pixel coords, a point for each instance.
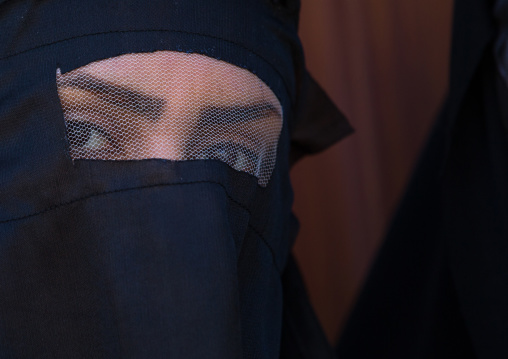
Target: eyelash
{"type": "Point", "coordinates": [80, 132]}
{"type": "Point", "coordinates": [238, 152]}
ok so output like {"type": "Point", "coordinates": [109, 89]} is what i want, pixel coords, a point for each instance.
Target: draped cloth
{"type": "Point", "coordinates": [138, 217]}
{"type": "Point", "coordinates": [439, 285]}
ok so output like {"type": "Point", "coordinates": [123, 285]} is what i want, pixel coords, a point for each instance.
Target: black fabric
{"type": "Point", "coordinates": [439, 286]}
{"type": "Point", "coordinates": [318, 124]}
{"type": "Point", "coordinates": [475, 209]}
{"type": "Point", "coordinates": [152, 258]}
{"type": "Point", "coordinates": [502, 91]}
{"type": "Point", "coordinates": [500, 48]}
{"type": "Point", "coordinates": [311, 341]}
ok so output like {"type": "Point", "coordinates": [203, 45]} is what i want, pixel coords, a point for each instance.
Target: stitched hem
{"type": "Point", "coordinates": [63, 204]}
{"type": "Point", "coordinates": [60, 205]}
{"type": "Point", "coordinates": [270, 248]}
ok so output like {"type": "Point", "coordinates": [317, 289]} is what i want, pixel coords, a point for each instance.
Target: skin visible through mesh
{"type": "Point", "coordinates": [174, 106]}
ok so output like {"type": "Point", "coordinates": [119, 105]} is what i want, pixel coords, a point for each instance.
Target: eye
{"type": "Point", "coordinates": [88, 139]}
{"type": "Point", "coordinates": [237, 156]}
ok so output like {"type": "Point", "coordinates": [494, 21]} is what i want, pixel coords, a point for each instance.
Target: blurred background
{"type": "Point", "coordinates": [385, 65]}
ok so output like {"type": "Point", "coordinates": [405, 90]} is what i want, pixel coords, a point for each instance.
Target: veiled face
{"type": "Point", "coordinates": [171, 105]}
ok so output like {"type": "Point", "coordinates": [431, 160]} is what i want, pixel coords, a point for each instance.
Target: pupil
{"type": "Point", "coordinates": [79, 133]}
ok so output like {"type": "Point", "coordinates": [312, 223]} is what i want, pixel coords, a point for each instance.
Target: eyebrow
{"type": "Point", "coordinates": [239, 113]}
{"type": "Point", "coordinates": [117, 95]}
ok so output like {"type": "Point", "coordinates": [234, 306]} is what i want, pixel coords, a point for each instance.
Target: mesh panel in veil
{"type": "Point", "coordinates": [171, 105]}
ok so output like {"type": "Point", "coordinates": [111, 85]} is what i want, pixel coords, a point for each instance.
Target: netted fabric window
{"type": "Point", "coordinates": [174, 106]}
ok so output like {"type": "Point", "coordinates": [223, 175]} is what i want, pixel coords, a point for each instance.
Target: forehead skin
{"type": "Point", "coordinates": [191, 77]}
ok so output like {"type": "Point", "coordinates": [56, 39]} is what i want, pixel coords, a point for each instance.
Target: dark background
{"type": "Point", "coordinates": [385, 64]}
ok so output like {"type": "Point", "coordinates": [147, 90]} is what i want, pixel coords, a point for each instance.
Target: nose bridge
{"type": "Point", "coordinates": [169, 137]}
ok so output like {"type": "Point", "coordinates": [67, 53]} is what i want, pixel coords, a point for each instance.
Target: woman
{"type": "Point", "coordinates": [145, 196]}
